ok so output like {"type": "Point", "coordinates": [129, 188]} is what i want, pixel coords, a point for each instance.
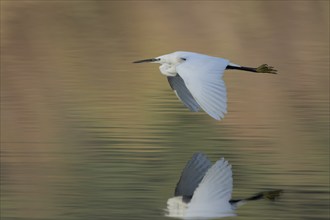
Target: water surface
{"type": "Point", "coordinates": [86, 134]}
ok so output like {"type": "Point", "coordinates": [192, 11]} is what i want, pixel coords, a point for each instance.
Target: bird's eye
{"type": "Point", "coordinates": [184, 59]}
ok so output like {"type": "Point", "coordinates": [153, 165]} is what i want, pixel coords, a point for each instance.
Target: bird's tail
{"type": "Point", "coordinates": [268, 195]}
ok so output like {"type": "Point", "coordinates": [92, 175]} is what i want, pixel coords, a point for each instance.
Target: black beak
{"type": "Point", "coordinates": [147, 60]}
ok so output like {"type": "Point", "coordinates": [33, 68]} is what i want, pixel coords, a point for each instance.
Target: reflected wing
{"type": "Point", "coordinates": [192, 175]}
{"type": "Point", "coordinates": [212, 196]}
{"type": "Point", "coordinates": [203, 77]}
{"type": "Point", "coordinates": [181, 91]}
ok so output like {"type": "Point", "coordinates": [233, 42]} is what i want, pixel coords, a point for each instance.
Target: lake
{"type": "Point", "coordinates": [86, 134]}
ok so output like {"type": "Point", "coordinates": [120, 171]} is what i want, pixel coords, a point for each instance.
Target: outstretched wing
{"type": "Point", "coordinates": [192, 175]}
{"type": "Point", "coordinates": [202, 76]}
{"type": "Point", "coordinates": [181, 91]}
{"type": "Point", "coordinates": [211, 198]}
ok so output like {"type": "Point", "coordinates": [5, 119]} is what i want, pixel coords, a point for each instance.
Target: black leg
{"type": "Point", "coordinates": [250, 69]}
{"type": "Point", "coordinates": [264, 68]}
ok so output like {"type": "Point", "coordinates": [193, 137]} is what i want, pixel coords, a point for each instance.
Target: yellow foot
{"type": "Point", "coordinates": [272, 195]}
{"type": "Point", "coordinates": [264, 68]}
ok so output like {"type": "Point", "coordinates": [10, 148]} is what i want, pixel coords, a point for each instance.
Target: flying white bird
{"type": "Point", "coordinates": [197, 79]}
{"type": "Point", "coordinates": [204, 191]}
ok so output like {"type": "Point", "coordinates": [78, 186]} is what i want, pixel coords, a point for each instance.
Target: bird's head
{"type": "Point", "coordinates": [171, 59]}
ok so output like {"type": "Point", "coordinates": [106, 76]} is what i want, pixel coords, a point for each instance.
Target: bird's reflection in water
{"type": "Point", "coordinates": [204, 191]}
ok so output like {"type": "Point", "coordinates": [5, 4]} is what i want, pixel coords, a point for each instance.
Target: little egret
{"type": "Point", "coordinates": [204, 191]}
{"type": "Point", "coordinates": [197, 81]}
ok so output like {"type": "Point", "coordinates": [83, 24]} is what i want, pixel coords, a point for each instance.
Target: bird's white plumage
{"type": "Point", "coordinates": [196, 80]}
{"type": "Point", "coordinates": [168, 69]}
{"type": "Point", "coordinates": [176, 208]}
{"type": "Point", "coordinates": [202, 75]}
{"type": "Point", "coordinates": [211, 198]}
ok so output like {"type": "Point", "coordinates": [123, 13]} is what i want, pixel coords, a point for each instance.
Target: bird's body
{"type": "Point", "coordinates": [197, 79]}
{"type": "Point", "coordinates": [204, 191]}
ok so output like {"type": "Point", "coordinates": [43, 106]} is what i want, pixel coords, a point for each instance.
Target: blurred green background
{"type": "Point", "coordinates": [86, 134]}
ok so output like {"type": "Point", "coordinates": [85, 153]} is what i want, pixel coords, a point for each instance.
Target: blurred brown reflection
{"type": "Point", "coordinates": [84, 132]}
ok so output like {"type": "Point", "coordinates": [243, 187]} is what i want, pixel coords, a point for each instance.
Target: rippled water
{"type": "Point", "coordinates": [85, 134]}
